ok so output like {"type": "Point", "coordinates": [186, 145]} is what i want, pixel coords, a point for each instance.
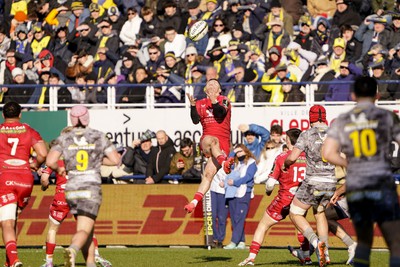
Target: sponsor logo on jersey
{"type": "Point", "coordinates": [15, 162]}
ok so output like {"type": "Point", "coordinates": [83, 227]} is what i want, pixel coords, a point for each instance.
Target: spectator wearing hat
{"type": "Point", "coordinates": [134, 160]}
{"type": "Point", "coordinates": [192, 59]}
{"type": "Point", "coordinates": [172, 65]}
{"type": "Point", "coordinates": [377, 71]}
{"type": "Point", "coordinates": [103, 6]}
{"type": "Point", "coordinates": [83, 38]}
{"type": "Point", "coordinates": [78, 15]}
{"type": "Point", "coordinates": [342, 91]}
{"type": "Point", "coordinates": [306, 37]}
{"type": "Point", "coordinates": [321, 32]}
{"type": "Point", "coordinates": [273, 57]}
{"type": "Point", "coordinates": [107, 39]}
{"type": "Point", "coordinates": [318, 72]}
{"type": "Point", "coordinates": [156, 59]}
{"type": "Point", "coordinates": [116, 18]}
{"type": "Point", "coordinates": [128, 67]}
{"type": "Point", "coordinates": [272, 34]}
{"type": "Point", "coordinates": [345, 15]}
{"type": "Point", "coordinates": [20, 41]}
{"type": "Point", "coordinates": [323, 8]}
{"type": "Point", "coordinates": [81, 63]}
{"type": "Point", "coordinates": [353, 46]}
{"type": "Point", "coordinates": [174, 42]}
{"type": "Point", "coordinates": [59, 45]}
{"type": "Point", "coordinates": [130, 29]}
{"type": "Point", "coordinates": [277, 12]}
{"type": "Point", "coordinates": [195, 14]}
{"type": "Point", "coordinates": [239, 34]}
{"type": "Point", "coordinates": [18, 94]}
{"type": "Point", "coordinates": [40, 40]}
{"type": "Point", "coordinates": [19, 18]}
{"type": "Point", "coordinates": [276, 75]}
{"type": "Point", "coordinates": [221, 32]}
{"type": "Point", "coordinates": [255, 60]}
{"type": "Point", "coordinates": [212, 12]}
{"type": "Point", "coordinates": [94, 18]}
{"type": "Point", "coordinates": [235, 56]}
{"type": "Point", "coordinates": [218, 58]}
{"type": "Point", "coordinates": [376, 54]}
{"type": "Point", "coordinates": [47, 62]}
{"type": "Point", "coordinates": [377, 35]}
{"type": "Point", "coordinates": [338, 54]}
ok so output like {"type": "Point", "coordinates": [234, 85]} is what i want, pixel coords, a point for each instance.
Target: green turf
{"type": "Point", "coordinates": [193, 257]}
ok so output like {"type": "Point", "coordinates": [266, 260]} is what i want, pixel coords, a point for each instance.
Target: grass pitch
{"type": "Point", "coordinates": [193, 257]}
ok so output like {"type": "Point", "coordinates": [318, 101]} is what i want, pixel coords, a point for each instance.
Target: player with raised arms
{"type": "Point", "coordinates": [214, 114]}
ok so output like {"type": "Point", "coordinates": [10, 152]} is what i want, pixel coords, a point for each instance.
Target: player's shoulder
{"type": "Point", "coordinates": [282, 156]}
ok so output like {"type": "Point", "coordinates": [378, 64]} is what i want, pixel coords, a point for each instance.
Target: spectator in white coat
{"type": "Point", "coordinates": [131, 27]}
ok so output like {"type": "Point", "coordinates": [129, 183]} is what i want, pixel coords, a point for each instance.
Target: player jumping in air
{"type": "Point", "coordinates": [214, 114]}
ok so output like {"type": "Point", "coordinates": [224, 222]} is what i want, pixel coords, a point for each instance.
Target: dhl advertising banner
{"type": "Point", "coordinates": [141, 215]}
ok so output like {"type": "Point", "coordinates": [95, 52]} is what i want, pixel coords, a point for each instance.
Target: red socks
{"type": "Point", "coordinates": [96, 244]}
{"type": "Point", "coordinates": [304, 244]}
{"type": "Point", "coordinates": [50, 248]}
{"type": "Point", "coordinates": [11, 251]}
{"type": "Point", "coordinates": [255, 247]}
{"type": "Point", "coordinates": [198, 196]}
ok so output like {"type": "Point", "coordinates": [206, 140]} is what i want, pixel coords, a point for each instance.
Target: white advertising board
{"type": "Point", "coordinates": [124, 125]}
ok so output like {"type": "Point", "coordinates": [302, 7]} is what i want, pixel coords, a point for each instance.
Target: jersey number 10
{"type": "Point", "coordinates": [364, 143]}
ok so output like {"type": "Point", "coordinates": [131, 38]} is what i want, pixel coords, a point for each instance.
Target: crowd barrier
{"type": "Point", "coordinates": [251, 95]}
{"type": "Point", "coordinates": [153, 215]}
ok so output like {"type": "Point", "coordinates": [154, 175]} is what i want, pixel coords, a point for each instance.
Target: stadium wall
{"type": "Point", "coordinates": [153, 215]}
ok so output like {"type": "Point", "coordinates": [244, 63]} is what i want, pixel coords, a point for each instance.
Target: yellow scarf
{"type": "Point", "coordinates": [335, 62]}
{"type": "Point", "coordinates": [42, 97]}
{"type": "Point", "coordinates": [272, 41]}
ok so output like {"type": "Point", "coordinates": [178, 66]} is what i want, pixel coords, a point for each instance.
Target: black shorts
{"type": "Point", "coordinates": [374, 205]}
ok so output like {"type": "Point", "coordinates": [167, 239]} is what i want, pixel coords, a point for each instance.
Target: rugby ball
{"type": "Point", "coordinates": [198, 30]}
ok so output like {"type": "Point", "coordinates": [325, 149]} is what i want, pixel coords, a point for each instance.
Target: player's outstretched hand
{"type": "Point", "coordinates": [192, 100]}
{"type": "Point", "coordinates": [189, 208]}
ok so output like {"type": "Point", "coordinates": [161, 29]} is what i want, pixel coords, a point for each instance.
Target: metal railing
{"type": "Point", "coordinates": [151, 103]}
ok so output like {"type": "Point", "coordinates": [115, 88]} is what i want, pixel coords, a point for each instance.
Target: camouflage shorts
{"type": "Point", "coordinates": [84, 201]}
{"type": "Point", "coordinates": [316, 194]}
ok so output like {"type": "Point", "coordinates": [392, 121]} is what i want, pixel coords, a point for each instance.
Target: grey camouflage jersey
{"type": "Point", "coordinates": [311, 142]}
{"type": "Point", "coordinates": [83, 150]}
{"type": "Point", "coordinates": [365, 134]}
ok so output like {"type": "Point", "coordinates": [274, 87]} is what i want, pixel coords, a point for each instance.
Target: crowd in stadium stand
{"type": "Point", "coordinates": [136, 42]}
